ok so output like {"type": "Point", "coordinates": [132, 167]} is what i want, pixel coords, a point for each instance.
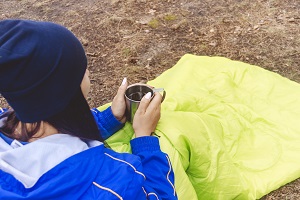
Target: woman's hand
{"type": "Point", "coordinates": [147, 115]}
{"type": "Point", "coordinates": [118, 105]}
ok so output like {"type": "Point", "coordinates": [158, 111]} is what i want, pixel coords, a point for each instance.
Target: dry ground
{"type": "Point", "coordinates": [140, 39]}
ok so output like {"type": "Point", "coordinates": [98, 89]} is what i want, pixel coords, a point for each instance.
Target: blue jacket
{"type": "Point", "coordinates": [100, 173]}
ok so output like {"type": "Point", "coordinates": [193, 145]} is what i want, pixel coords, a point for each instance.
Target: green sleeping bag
{"type": "Point", "coordinates": [232, 130]}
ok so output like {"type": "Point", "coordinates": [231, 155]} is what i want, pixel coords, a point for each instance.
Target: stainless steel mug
{"type": "Point", "coordinates": [134, 95]}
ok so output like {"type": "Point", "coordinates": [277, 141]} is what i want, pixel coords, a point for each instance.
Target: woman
{"type": "Point", "coordinates": [50, 146]}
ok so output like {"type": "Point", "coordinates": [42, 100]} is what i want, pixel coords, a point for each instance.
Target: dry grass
{"type": "Point", "coordinates": [140, 39]}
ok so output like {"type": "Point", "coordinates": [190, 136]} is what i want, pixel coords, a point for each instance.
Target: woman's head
{"type": "Point", "coordinates": [42, 68]}
{"type": "Point", "coordinates": [40, 63]}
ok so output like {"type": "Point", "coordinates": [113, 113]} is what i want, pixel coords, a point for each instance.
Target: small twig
{"type": "Point", "coordinates": [92, 54]}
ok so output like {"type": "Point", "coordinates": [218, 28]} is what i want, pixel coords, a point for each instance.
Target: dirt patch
{"type": "Point", "coordinates": [140, 39]}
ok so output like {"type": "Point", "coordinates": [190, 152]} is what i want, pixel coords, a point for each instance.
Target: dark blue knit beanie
{"type": "Point", "coordinates": [41, 67]}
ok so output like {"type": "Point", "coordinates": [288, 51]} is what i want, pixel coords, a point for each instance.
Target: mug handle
{"type": "Point", "coordinates": [160, 90]}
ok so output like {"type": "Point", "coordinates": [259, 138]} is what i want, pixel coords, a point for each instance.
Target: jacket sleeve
{"type": "Point", "coordinates": [106, 121]}
{"type": "Point", "coordinates": [157, 168]}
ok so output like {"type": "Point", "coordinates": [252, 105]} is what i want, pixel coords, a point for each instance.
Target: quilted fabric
{"type": "Point", "coordinates": [231, 129]}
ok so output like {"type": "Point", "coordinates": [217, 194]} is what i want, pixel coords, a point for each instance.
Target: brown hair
{"type": "Point", "coordinates": [24, 133]}
{"type": "Point", "coordinates": [76, 119]}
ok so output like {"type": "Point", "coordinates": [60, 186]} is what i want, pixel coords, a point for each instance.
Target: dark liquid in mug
{"type": "Point", "coordinates": [137, 96]}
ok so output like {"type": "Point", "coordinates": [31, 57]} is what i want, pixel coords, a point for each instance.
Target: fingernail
{"type": "Point", "coordinates": [124, 81]}
{"type": "Point", "coordinates": [148, 95]}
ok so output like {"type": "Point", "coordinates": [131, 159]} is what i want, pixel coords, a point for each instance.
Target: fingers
{"type": "Point", "coordinates": [148, 104]}
{"type": "Point", "coordinates": [118, 106]}
{"type": "Point", "coordinates": [123, 86]}
{"type": "Point", "coordinates": [156, 101]}
{"type": "Point", "coordinates": [121, 91]}
{"type": "Point", "coordinates": [144, 103]}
